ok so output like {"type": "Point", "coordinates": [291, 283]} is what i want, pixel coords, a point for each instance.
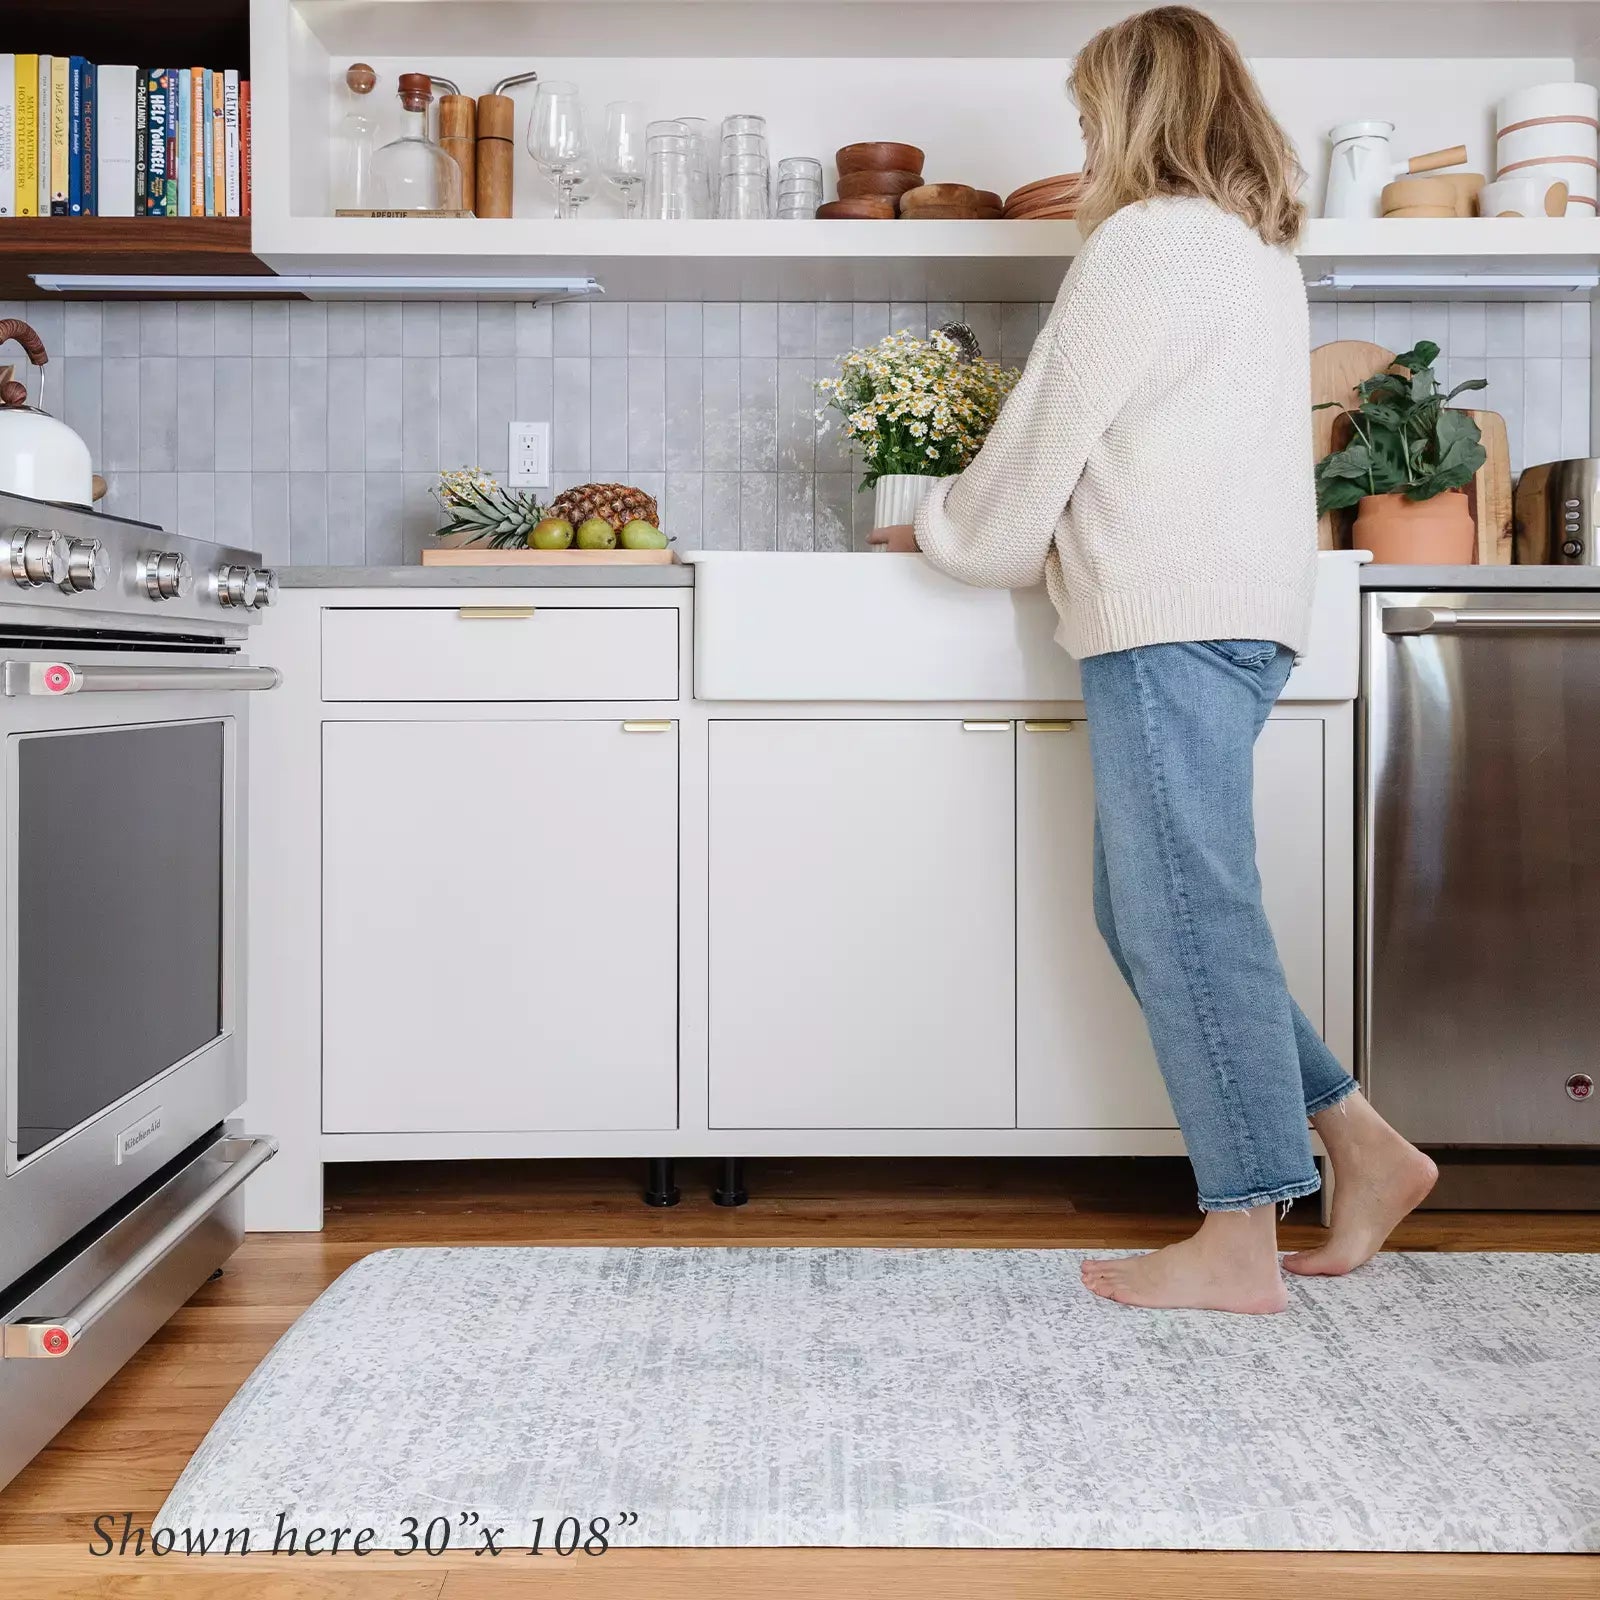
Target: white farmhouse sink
{"type": "Point", "coordinates": [787, 627]}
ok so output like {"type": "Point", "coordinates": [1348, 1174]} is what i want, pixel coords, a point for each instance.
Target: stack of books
{"type": "Point", "coordinates": [80, 140]}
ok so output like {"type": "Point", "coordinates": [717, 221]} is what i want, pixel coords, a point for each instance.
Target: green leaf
{"type": "Point", "coordinates": [1335, 494]}
{"type": "Point", "coordinates": [1421, 355]}
{"type": "Point", "coordinates": [1462, 388]}
{"type": "Point", "coordinates": [1356, 462]}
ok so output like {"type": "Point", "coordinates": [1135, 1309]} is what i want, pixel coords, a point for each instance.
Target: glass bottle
{"type": "Point", "coordinates": [354, 141]}
{"type": "Point", "coordinates": [412, 173]}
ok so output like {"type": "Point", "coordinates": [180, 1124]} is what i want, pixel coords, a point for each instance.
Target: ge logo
{"type": "Point", "coordinates": [1580, 1086]}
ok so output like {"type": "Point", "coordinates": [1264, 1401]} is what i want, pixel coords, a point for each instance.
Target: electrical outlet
{"type": "Point", "coordinates": [530, 455]}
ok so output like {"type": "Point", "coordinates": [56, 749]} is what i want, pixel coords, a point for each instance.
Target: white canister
{"type": "Point", "coordinates": [1562, 101]}
{"type": "Point", "coordinates": [1550, 133]}
{"type": "Point", "coordinates": [897, 496]}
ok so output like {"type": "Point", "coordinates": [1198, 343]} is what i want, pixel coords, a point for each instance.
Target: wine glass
{"type": "Point", "coordinates": [622, 154]}
{"type": "Point", "coordinates": [558, 144]}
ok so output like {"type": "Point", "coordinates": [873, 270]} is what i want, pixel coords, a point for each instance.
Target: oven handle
{"type": "Point", "coordinates": [1413, 620]}
{"type": "Point", "coordinates": [54, 678]}
{"type": "Point", "coordinates": [50, 1337]}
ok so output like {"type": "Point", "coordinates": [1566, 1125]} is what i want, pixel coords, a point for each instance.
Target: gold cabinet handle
{"type": "Point", "coordinates": [1049, 727]}
{"type": "Point", "coordinates": [647, 727]}
{"type": "Point", "coordinates": [495, 613]}
{"type": "Point", "coordinates": [986, 727]}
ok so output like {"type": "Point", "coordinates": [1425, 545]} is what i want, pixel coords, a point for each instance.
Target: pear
{"type": "Point", "coordinates": [642, 535]}
{"type": "Point", "coordinates": [554, 533]}
{"type": "Point", "coordinates": [595, 533]}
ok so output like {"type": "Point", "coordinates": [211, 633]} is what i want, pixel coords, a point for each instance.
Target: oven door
{"type": "Point", "coordinates": [121, 991]}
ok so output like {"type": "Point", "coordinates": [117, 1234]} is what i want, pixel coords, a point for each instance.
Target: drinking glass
{"type": "Point", "coordinates": [705, 157]}
{"type": "Point", "coordinates": [622, 155]}
{"type": "Point", "coordinates": [558, 143]}
{"type": "Point", "coordinates": [670, 184]}
{"type": "Point", "coordinates": [745, 196]}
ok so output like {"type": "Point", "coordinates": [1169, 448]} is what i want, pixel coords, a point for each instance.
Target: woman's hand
{"type": "Point", "coordinates": [898, 539]}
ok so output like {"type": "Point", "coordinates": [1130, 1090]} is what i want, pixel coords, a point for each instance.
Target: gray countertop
{"type": "Point", "coordinates": [1507, 578]}
{"type": "Point", "coordinates": [682, 577]}
{"type": "Point", "coordinates": [420, 577]}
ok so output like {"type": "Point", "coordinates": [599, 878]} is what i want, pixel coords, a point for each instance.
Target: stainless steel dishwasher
{"type": "Point", "coordinates": [1481, 867]}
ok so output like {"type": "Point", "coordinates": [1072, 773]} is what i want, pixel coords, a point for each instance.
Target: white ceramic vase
{"type": "Point", "coordinates": [898, 494]}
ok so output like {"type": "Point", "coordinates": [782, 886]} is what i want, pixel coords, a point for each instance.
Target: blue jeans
{"type": "Point", "coordinates": [1177, 896]}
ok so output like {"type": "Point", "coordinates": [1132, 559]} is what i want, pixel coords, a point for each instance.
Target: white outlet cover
{"type": "Point", "coordinates": [530, 455]}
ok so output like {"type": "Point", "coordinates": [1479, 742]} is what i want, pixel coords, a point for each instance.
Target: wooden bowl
{"type": "Point", "coordinates": [988, 198]}
{"type": "Point", "coordinates": [952, 213]}
{"type": "Point", "coordinates": [1067, 182]}
{"type": "Point", "coordinates": [1061, 213]}
{"type": "Point", "coordinates": [879, 157]}
{"type": "Point", "coordinates": [875, 206]}
{"type": "Point", "coordinates": [853, 185]}
{"type": "Point", "coordinates": [938, 194]}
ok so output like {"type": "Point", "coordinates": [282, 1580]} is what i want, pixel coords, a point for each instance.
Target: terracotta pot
{"type": "Point", "coordinates": [1416, 533]}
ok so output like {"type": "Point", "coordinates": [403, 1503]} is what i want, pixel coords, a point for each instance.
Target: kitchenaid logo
{"type": "Point", "coordinates": [130, 1139]}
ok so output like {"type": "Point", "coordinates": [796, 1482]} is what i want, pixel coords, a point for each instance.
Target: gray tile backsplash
{"type": "Point", "coordinates": [314, 432]}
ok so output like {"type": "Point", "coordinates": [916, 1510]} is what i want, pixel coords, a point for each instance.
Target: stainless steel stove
{"type": "Point", "coordinates": [125, 685]}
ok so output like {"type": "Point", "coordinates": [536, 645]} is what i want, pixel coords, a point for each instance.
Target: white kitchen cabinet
{"type": "Point", "coordinates": [499, 926]}
{"type": "Point", "coordinates": [1083, 1054]}
{"type": "Point", "coordinates": [862, 933]}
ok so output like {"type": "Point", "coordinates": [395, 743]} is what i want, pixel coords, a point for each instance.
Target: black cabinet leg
{"type": "Point", "coordinates": [730, 1189]}
{"type": "Point", "coordinates": [660, 1190]}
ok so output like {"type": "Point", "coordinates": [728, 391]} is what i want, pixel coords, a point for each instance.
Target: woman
{"type": "Point", "coordinates": [1153, 468]}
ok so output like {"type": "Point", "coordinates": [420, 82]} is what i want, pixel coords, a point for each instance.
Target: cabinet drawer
{"type": "Point", "coordinates": [498, 652]}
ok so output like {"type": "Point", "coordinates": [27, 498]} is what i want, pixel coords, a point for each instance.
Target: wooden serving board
{"type": "Point", "coordinates": [548, 558]}
{"type": "Point", "coordinates": [1336, 369]}
{"type": "Point", "coordinates": [1492, 504]}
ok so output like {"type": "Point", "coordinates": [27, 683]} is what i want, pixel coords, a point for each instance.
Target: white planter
{"type": "Point", "coordinates": [898, 494]}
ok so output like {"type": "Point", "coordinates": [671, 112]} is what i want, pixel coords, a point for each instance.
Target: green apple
{"type": "Point", "coordinates": [642, 535]}
{"type": "Point", "coordinates": [595, 533]}
{"type": "Point", "coordinates": [554, 533]}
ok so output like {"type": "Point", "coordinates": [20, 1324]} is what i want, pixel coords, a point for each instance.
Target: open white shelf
{"type": "Point", "coordinates": [979, 84]}
{"type": "Point", "coordinates": [887, 260]}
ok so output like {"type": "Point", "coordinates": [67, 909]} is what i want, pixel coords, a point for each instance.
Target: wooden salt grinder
{"type": "Point", "coordinates": [497, 136]}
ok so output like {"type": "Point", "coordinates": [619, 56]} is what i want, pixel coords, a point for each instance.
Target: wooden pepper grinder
{"type": "Point", "coordinates": [497, 144]}
{"type": "Point", "coordinates": [458, 117]}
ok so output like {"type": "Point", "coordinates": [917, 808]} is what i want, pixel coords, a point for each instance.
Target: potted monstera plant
{"type": "Point", "coordinates": [1407, 465]}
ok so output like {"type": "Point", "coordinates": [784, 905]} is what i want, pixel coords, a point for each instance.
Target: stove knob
{"type": "Point", "coordinates": [238, 586]}
{"type": "Point", "coordinates": [38, 556]}
{"type": "Point", "coordinates": [266, 588]}
{"type": "Point", "coordinates": [166, 575]}
{"type": "Point", "coordinates": [88, 566]}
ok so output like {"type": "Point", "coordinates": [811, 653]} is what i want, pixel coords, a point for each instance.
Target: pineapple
{"type": "Point", "coordinates": [479, 508]}
{"type": "Point", "coordinates": [615, 502]}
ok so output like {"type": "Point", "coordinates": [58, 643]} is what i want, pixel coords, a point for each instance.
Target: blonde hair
{"type": "Point", "coordinates": [1170, 108]}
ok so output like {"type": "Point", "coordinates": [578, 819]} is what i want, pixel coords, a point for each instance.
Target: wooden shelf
{"type": "Point", "coordinates": [208, 33]}
{"type": "Point", "coordinates": [189, 245]}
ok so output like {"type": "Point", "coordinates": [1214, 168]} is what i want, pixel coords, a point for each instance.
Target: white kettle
{"type": "Point", "coordinates": [1362, 165]}
{"type": "Point", "coordinates": [39, 456]}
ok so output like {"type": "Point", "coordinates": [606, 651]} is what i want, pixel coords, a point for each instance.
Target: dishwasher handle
{"type": "Point", "coordinates": [52, 679]}
{"type": "Point", "coordinates": [1410, 621]}
{"type": "Point", "coordinates": [50, 1337]}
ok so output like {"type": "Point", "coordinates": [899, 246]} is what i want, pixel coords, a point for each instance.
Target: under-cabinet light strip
{"type": "Point", "coordinates": [256, 286]}
{"type": "Point", "coordinates": [1456, 280]}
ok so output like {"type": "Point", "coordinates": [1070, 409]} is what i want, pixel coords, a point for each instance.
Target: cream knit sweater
{"type": "Point", "coordinates": [1153, 465]}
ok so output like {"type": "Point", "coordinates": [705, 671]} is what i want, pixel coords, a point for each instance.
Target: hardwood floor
{"type": "Point", "coordinates": [123, 1451]}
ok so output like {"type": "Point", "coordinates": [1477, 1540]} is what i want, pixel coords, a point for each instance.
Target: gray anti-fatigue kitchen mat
{"type": "Point", "coordinates": [919, 1397]}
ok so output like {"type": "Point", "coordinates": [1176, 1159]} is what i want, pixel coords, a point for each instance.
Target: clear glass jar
{"type": "Point", "coordinates": [412, 173]}
{"type": "Point", "coordinates": [354, 143]}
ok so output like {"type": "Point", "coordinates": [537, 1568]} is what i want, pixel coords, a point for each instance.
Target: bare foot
{"type": "Point", "coordinates": [1231, 1264]}
{"type": "Point", "coordinates": [1378, 1179]}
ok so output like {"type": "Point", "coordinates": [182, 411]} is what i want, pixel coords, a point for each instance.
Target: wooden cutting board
{"type": "Point", "coordinates": [1336, 369]}
{"type": "Point", "coordinates": [1491, 492]}
{"type": "Point", "coordinates": [548, 558]}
